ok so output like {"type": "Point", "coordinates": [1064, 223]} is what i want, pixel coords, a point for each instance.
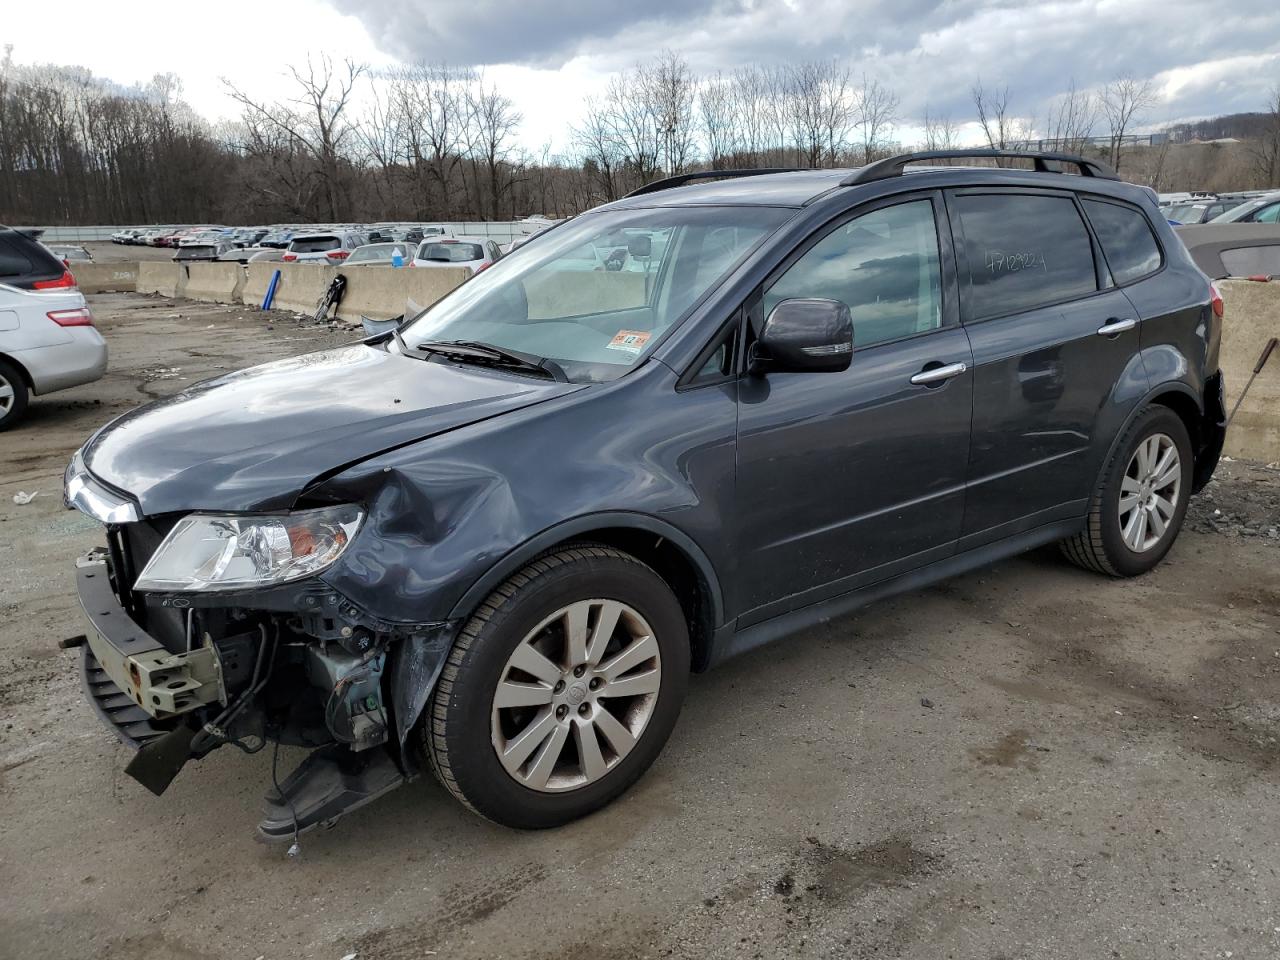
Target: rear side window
{"type": "Point", "coordinates": [1023, 251]}
{"type": "Point", "coordinates": [13, 262]}
{"type": "Point", "coordinates": [1127, 241]}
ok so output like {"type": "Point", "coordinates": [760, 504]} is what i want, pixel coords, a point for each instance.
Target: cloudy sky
{"type": "Point", "coordinates": [1205, 57]}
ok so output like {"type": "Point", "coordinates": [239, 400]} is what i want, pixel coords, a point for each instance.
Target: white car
{"type": "Point", "coordinates": [328, 246]}
{"type": "Point", "coordinates": [47, 338]}
{"type": "Point", "coordinates": [478, 253]}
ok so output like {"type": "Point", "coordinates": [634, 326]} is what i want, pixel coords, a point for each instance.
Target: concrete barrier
{"type": "Point", "coordinates": [381, 293]}
{"type": "Point", "coordinates": [163, 277]}
{"type": "Point", "coordinates": [300, 287]}
{"type": "Point", "coordinates": [106, 277]}
{"type": "Point", "coordinates": [1252, 317]}
{"type": "Point", "coordinates": [218, 282]}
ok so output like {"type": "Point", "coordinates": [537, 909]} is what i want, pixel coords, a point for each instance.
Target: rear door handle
{"type": "Point", "coordinates": [1112, 327]}
{"type": "Point", "coordinates": [937, 374]}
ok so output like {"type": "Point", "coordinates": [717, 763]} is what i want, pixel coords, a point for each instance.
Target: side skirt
{"type": "Point", "coordinates": [730, 642]}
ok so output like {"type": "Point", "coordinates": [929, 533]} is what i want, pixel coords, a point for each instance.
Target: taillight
{"type": "Point", "coordinates": [1218, 305]}
{"type": "Point", "coordinates": [338, 254]}
{"type": "Point", "coordinates": [483, 266]}
{"type": "Point", "coordinates": [289, 257]}
{"type": "Point", "coordinates": [64, 282]}
{"type": "Point", "coordinates": [80, 317]}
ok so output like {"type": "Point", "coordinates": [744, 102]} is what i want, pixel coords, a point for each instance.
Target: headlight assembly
{"type": "Point", "coordinates": [229, 552]}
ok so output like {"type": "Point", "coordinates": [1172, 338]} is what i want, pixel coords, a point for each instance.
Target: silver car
{"type": "Point", "coordinates": [47, 338]}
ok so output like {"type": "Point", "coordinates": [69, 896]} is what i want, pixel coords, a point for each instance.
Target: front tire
{"type": "Point", "coordinates": [1141, 498]}
{"type": "Point", "coordinates": [561, 689]}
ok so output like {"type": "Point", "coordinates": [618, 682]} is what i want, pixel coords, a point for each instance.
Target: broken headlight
{"type": "Point", "coordinates": [230, 552]}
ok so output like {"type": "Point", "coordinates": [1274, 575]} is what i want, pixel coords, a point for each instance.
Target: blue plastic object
{"type": "Point", "coordinates": [271, 290]}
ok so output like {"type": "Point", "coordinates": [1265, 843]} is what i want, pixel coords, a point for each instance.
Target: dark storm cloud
{"type": "Point", "coordinates": [1211, 57]}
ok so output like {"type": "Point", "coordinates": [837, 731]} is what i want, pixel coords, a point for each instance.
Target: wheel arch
{"type": "Point", "coordinates": [673, 555]}
{"type": "Point", "coordinates": [23, 371]}
{"type": "Point", "coordinates": [1174, 394]}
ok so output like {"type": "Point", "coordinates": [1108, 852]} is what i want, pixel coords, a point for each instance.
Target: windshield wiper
{"type": "Point", "coordinates": [474, 351]}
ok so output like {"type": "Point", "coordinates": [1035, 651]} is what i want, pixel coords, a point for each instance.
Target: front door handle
{"type": "Point", "coordinates": [1113, 326]}
{"type": "Point", "coordinates": [938, 374]}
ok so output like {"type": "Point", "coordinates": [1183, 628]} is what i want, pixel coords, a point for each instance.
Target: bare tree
{"type": "Point", "coordinates": [1124, 101]}
{"type": "Point", "coordinates": [940, 131]}
{"type": "Point", "coordinates": [1265, 152]}
{"type": "Point", "coordinates": [721, 125]}
{"type": "Point", "coordinates": [492, 125]}
{"type": "Point", "coordinates": [667, 89]}
{"type": "Point", "coordinates": [316, 121]}
{"type": "Point", "coordinates": [1072, 117]}
{"type": "Point", "coordinates": [876, 112]}
{"type": "Point", "coordinates": [993, 114]}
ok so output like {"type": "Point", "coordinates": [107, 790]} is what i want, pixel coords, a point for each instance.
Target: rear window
{"type": "Point", "coordinates": [1127, 241]}
{"type": "Point", "coordinates": [196, 251]}
{"type": "Point", "coordinates": [451, 252]}
{"type": "Point", "coordinates": [314, 244]}
{"type": "Point", "coordinates": [1023, 251]}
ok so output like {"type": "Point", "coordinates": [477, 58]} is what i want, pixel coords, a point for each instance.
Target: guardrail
{"type": "Point", "coordinates": [499, 230]}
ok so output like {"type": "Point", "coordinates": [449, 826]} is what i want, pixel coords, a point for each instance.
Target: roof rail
{"type": "Point", "coordinates": [681, 179]}
{"type": "Point", "coordinates": [893, 166]}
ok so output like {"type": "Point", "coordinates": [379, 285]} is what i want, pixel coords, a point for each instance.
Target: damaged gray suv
{"type": "Point", "coordinates": [496, 541]}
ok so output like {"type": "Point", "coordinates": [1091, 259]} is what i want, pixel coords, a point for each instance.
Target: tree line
{"type": "Point", "coordinates": [432, 142]}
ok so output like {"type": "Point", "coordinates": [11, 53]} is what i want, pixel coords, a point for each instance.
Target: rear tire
{"type": "Point", "coordinates": [531, 729]}
{"type": "Point", "coordinates": [13, 395]}
{"type": "Point", "coordinates": [1140, 501]}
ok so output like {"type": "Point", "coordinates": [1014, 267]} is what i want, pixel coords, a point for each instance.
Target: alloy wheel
{"type": "Point", "coordinates": [1149, 492]}
{"type": "Point", "coordinates": [6, 395]}
{"type": "Point", "coordinates": [576, 695]}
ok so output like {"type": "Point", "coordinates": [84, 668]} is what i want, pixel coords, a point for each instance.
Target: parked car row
{"type": "Point", "coordinates": [1249, 206]}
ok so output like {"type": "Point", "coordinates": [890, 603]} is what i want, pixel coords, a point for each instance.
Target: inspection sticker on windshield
{"type": "Point", "coordinates": [632, 341]}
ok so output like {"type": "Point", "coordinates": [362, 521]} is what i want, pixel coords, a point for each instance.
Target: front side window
{"type": "Point", "coordinates": [1127, 241]}
{"type": "Point", "coordinates": [1268, 214]}
{"type": "Point", "coordinates": [1023, 251]}
{"type": "Point", "coordinates": [596, 293]}
{"type": "Point", "coordinates": [883, 265]}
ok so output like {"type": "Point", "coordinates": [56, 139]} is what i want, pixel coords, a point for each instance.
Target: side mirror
{"type": "Point", "coordinates": [804, 335]}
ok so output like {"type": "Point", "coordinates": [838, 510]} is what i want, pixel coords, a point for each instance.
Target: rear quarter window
{"type": "Point", "coordinates": [1128, 244]}
{"type": "Point", "coordinates": [1023, 251]}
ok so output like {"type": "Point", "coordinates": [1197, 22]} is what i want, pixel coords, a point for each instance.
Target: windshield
{"type": "Point", "coordinates": [596, 293]}
{"type": "Point", "coordinates": [1187, 213]}
{"type": "Point", "coordinates": [450, 252]}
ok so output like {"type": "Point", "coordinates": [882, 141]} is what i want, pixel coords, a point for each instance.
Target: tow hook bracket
{"type": "Point", "coordinates": [157, 762]}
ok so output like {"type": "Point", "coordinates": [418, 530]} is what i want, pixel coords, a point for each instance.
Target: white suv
{"type": "Point", "coordinates": [47, 338]}
{"type": "Point", "coordinates": [327, 246]}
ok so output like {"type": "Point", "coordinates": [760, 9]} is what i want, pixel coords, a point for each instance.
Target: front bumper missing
{"type": "Point", "coordinates": [161, 683]}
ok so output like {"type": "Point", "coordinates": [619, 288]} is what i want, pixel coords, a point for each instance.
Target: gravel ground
{"type": "Point", "coordinates": [1025, 762]}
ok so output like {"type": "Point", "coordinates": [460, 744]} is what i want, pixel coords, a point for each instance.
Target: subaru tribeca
{"type": "Point", "coordinates": [496, 541]}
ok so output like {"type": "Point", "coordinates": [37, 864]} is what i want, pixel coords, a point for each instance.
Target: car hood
{"type": "Point", "coordinates": [254, 440]}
